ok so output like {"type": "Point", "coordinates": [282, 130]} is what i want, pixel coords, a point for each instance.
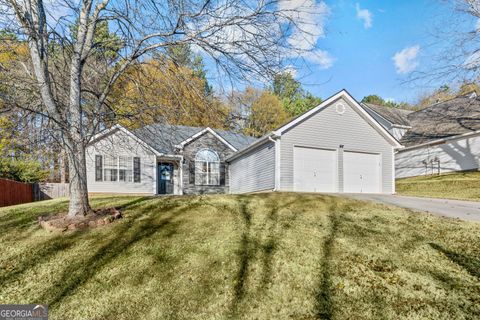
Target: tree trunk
{"type": "Point", "coordinates": [63, 167]}
{"type": "Point", "coordinates": [79, 204]}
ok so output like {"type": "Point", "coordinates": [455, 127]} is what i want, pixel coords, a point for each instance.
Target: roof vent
{"type": "Point", "coordinates": [473, 95]}
{"type": "Point", "coordinates": [340, 107]}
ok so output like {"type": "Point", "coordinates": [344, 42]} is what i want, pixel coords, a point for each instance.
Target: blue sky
{"type": "Point", "coordinates": [374, 47]}
{"type": "Point", "coordinates": [363, 37]}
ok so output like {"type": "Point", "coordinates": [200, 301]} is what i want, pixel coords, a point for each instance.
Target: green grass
{"type": "Point", "coordinates": [463, 186]}
{"type": "Point", "coordinates": [264, 256]}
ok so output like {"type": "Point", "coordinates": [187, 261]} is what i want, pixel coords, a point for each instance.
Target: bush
{"type": "Point", "coordinates": [23, 170]}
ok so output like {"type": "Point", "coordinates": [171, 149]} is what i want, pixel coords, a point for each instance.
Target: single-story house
{"type": "Point", "coordinates": [444, 137]}
{"type": "Point", "coordinates": [161, 159]}
{"type": "Point", "coordinates": [336, 147]}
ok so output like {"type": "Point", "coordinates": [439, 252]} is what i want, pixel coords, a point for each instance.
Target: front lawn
{"type": "Point", "coordinates": [264, 256]}
{"type": "Point", "coordinates": [462, 186]}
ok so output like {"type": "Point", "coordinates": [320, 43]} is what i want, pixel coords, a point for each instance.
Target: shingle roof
{"type": "Point", "coordinates": [164, 137]}
{"type": "Point", "coordinates": [393, 115]}
{"type": "Point", "coordinates": [445, 119]}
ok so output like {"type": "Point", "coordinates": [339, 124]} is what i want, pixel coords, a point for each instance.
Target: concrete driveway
{"type": "Point", "coordinates": [464, 210]}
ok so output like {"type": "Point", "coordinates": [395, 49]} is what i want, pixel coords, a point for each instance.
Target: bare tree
{"type": "Point", "coordinates": [73, 76]}
{"type": "Point", "coordinates": [453, 45]}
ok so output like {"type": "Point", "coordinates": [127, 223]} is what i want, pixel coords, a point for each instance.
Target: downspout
{"type": "Point", "coordinates": [277, 162]}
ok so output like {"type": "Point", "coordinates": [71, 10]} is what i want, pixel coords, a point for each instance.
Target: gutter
{"type": "Point", "coordinates": [266, 138]}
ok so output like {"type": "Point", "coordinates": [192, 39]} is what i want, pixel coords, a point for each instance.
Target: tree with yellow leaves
{"type": "Point", "coordinates": [160, 90]}
{"type": "Point", "coordinates": [267, 113]}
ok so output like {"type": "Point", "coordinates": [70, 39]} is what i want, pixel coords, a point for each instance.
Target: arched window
{"type": "Point", "coordinates": [207, 168]}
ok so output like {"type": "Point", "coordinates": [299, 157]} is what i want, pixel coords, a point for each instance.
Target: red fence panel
{"type": "Point", "coordinates": [13, 192]}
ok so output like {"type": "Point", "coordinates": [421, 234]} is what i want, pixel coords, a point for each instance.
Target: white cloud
{"type": "Point", "coordinates": [364, 15]}
{"type": "Point", "coordinates": [291, 69]}
{"type": "Point", "coordinates": [320, 57]}
{"type": "Point", "coordinates": [309, 17]}
{"type": "Point", "coordinates": [406, 60]}
{"type": "Point", "coordinates": [473, 61]}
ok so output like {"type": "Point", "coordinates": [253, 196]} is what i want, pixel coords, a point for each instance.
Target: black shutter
{"type": "Point", "coordinates": [223, 169]}
{"type": "Point", "coordinates": [136, 169]}
{"type": "Point", "coordinates": [98, 168]}
{"type": "Point", "coordinates": [191, 172]}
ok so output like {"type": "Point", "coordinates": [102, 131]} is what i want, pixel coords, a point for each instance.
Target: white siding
{"type": "Point", "coordinates": [455, 155]}
{"type": "Point", "coordinates": [328, 129]}
{"type": "Point", "coordinates": [121, 144]}
{"type": "Point", "coordinates": [254, 171]}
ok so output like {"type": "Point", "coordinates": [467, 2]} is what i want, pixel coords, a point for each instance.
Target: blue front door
{"type": "Point", "coordinates": [165, 178]}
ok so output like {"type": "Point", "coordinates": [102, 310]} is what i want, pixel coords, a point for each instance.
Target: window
{"type": "Point", "coordinates": [125, 169]}
{"type": "Point", "coordinates": [136, 169]}
{"type": "Point", "coordinates": [121, 168]}
{"type": "Point", "coordinates": [110, 168]}
{"type": "Point", "coordinates": [98, 168]}
{"type": "Point", "coordinates": [207, 168]}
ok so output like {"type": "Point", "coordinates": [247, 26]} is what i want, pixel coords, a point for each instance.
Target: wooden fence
{"type": "Point", "coordinates": [45, 191]}
{"type": "Point", "coordinates": [13, 192]}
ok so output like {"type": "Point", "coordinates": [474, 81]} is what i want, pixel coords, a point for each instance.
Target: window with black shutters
{"type": "Point", "coordinates": [136, 169]}
{"type": "Point", "coordinates": [98, 168]}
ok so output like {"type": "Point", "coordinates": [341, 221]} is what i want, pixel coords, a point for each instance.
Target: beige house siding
{"type": "Point", "coordinates": [119, 143]}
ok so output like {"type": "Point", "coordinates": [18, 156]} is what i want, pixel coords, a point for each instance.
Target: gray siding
{"type": "Point", "coordinates": [206, 141]}
{"type": "Point", "coordinates": [329, 129]}
{"type": "Point", "coordinates": [121, 144]}
{"type": "Point", "coordinates": [254, 171]}
{"type": "Point", "coordinates": [455, 155]}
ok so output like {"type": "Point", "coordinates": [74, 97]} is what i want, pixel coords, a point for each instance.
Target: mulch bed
{"type": "Point", "coordinates": [97, 218]}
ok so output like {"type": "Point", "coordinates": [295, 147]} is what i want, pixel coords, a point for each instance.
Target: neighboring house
{"type": "Point", "coordinates": [444, 137]}
{"type": "Point", "coordinates": [161, 159]}
{"type": "Point", "coordinates": [393, 119]}
{"type": "Point", "coordinates": [335, 147]}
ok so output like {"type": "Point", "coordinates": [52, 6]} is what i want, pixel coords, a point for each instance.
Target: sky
{"type": "Point", "coordinates": [374, 46]}
{"type": "Point", "coordinates": [371, 47]}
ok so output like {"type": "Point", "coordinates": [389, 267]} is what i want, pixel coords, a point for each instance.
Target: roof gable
{"type": "Point", "coordinates": [395, 116]}
{"type": "Point", "coordinates": [201, 133]}
{"type": "Point", "coordinates": [164, 139]}
{"type": "Point", "coordinates": [355, 106]}
{"type": "Point", "coordinates": [117, 127]}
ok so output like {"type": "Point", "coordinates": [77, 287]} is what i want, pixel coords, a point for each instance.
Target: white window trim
{"type": "Point", "coordinates": [209, 172]}
{"type": "Point", "coordinates": [118, 168]}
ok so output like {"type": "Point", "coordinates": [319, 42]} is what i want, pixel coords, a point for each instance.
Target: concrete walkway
{"type": "Point", "coordinates": [464, 210]}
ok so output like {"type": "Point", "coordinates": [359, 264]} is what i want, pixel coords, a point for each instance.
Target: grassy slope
{"type": "Point", "coordinates": [464, 186]}
{"type": "Point", "coordinates": [265, 256]}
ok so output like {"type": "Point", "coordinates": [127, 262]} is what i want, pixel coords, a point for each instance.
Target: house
{"type": "Point", "coordinates": [336, 147]}
{"type": "Point", "coordinates": [161, 159]}
{"type": "Point", "coordinates": [444, 137]}
{"type": "Point", "coordinates": [393, 119]}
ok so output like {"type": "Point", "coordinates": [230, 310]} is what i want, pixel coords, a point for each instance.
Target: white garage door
{"type": "Point", "coordinates": [361, 172]}
{"type": "Point", "coordinates": [315, 170]}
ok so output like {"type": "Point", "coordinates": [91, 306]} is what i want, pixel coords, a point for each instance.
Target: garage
{"type": "Point", "coordinates": [361, 172]}
{"type": "Point", "coordinates": [335, 147]}
{"type": "Point", "coordinates": [315, 170]}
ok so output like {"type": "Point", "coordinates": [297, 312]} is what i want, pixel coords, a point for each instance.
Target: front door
{"type": "Point", "coordinates": [165, 178]}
